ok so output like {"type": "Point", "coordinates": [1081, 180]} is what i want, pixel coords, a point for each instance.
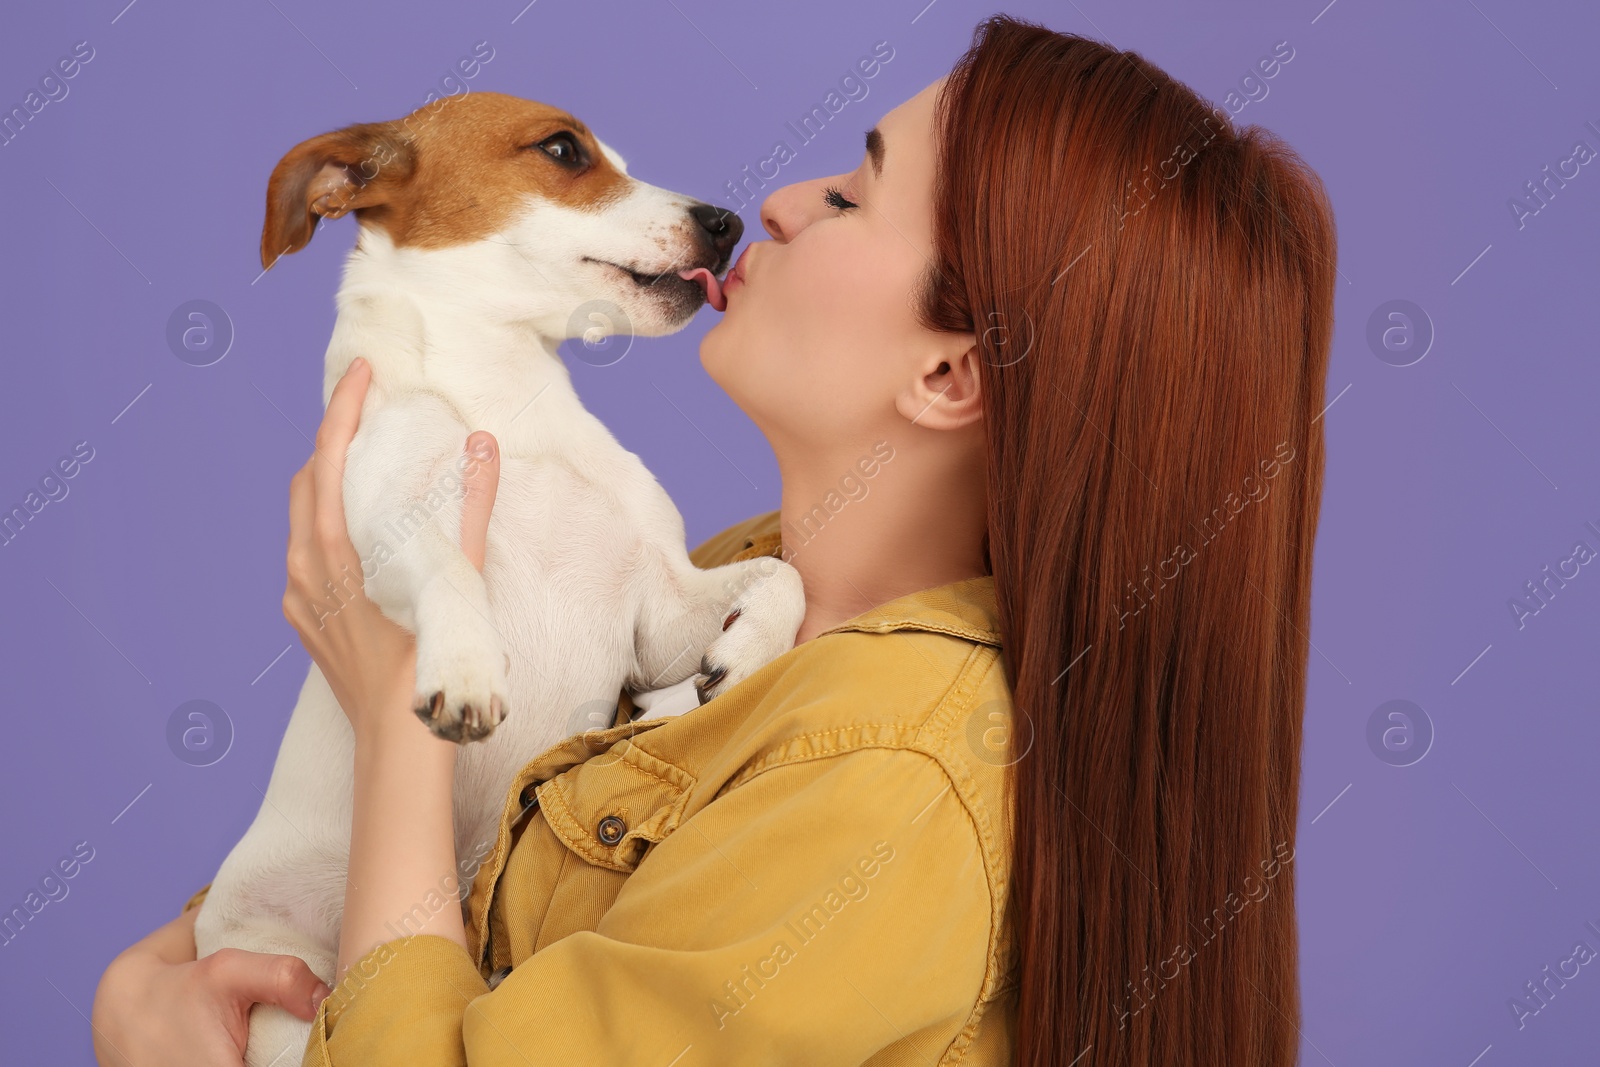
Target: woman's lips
{"type": "Point", "coordinates": [736, 274]}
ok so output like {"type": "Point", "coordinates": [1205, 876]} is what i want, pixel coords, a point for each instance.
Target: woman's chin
{"type": "Point", "coordinates": [716, 344]}
{"type": "Point", "coordinates": [711, 353]}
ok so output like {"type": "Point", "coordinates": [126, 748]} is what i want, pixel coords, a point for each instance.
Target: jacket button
{"type": "Point", "coordinates": [611, 829]}
{"type": "Point", "coordinates": [498, 976]}
{"type": "Point", "coordinates": [530, 796]}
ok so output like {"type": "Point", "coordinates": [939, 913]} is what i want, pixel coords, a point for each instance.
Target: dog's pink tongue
{"type": "Point", "coordinates": [709, 283]}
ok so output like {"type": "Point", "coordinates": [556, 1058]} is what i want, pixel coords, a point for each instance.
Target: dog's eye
{"type": "Point", "coordinates": [563, 148]}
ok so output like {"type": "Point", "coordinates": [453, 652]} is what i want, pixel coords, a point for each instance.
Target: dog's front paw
{"type": "Point", "coordinates": [461, 681]}
{"type": "Point", "coordinates": [460, 719]}
{"type": "Point", "coordinates": [760, 626]}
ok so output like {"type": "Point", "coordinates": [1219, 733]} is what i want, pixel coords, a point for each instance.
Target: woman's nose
{"type": "Point", "coordinates": [791, 209]}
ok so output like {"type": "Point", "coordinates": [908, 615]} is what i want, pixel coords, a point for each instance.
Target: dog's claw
{"type": "Point", "coordinates": [709, 678]}
{"type": "Point", "coordinates": [474, 721]}
{"type": "Point", "coordinates": [768, 612]}
{"type": "Point", "coordinates": [428, 710]}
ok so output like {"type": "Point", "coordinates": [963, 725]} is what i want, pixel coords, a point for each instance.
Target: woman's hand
{"type": "Point", "coordinates": [368, 660]}
{"type": "Point", "coordinates": [157, 1006]}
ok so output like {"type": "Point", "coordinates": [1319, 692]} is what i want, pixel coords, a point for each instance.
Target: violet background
{"type": "Point", "coordinates": [1428, 894]}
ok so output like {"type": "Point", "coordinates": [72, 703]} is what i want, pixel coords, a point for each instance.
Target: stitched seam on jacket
{"type": "Point", "coordinates": [783, 754]}
{"type": "Point", "coordinates": [632, 763]}
{"type": "Point", "coordinates": [884, 626]}
{"type": "Point", "coordinates": [952, 705]}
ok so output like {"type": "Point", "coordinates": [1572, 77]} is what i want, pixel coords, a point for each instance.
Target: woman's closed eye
{"type": "Point", "coordinates": [835, 199]}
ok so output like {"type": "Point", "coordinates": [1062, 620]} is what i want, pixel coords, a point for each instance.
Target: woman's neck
{"type": "Point", "coordinates": [861, 539]}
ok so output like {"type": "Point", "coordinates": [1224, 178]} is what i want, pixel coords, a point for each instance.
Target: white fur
{"type": "Point", "coordinates": [586, 588]}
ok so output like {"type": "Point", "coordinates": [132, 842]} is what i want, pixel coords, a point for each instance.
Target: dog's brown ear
{"type": "Point", "coordinates": [357, 167]}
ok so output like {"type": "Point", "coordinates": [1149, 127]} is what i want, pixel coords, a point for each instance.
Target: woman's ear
{"type": "Point", "coordinates": [945, 393]}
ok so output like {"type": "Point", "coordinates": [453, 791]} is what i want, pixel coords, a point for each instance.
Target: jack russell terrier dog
{"type": "Point", "coordinates": [488, 227]}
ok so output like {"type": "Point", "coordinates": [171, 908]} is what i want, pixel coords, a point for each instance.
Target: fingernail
{"type": "Point", "coordinates": [483, 449]}
{"type": "Point", "coordinates": [318, 995]}
{"type": "Point", "coordinates": [358, 363]}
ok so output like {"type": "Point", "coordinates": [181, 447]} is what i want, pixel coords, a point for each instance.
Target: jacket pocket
{"type": "Point", "coordinates": [611, 808]}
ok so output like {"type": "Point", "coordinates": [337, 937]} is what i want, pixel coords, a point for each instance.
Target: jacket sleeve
{"type": "Point", "coordinates": [823, 910]}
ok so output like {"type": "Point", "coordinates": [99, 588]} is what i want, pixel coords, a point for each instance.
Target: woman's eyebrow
{"type": "Point", "coordinates": [875, 150]}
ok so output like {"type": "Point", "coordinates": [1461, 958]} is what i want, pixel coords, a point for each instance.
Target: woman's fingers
{"type": "Point", "coordinates": [300, 556]}
{"type": "Point", "coordinates": [481, 479]}
{"type": "Point", "coordinates": [334, 435]}
{"type": "Point", "coordinates": [262, 978]}
{"type": "Point", "coordinates": [302, 506]}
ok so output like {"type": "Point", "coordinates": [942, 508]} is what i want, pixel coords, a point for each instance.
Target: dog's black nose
{"type": "Point", "coordinates": [721, 226]}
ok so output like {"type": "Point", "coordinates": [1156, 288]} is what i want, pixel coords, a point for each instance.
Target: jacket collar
{"type": "Point", "coordinates": [964, 608]}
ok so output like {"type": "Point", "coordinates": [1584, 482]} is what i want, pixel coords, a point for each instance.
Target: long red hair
{"type": "Point", "coordinates": [1153, 292]}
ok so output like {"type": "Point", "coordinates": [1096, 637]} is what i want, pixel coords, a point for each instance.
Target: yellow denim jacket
{"type": "Point", "coordinates": [809, 869]}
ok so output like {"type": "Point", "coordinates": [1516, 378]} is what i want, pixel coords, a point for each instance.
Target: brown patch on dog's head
{"type": "Point", "coordinates": [453, 171]}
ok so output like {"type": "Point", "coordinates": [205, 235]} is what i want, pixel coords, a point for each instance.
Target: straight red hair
{"type": "Point", "coordinates": [1153, 291]}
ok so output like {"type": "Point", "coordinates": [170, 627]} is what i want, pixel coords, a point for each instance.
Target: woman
{"type": "Point", "coordinates": [1090, 321]}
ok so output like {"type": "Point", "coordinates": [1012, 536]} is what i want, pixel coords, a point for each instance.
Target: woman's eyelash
{"type": "Point", "coordinates": [835, 199]}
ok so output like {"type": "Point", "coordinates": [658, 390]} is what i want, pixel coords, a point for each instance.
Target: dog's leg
{"type": "Point", "coordinates": [725, 623]}
{"type": "Point", "coordinates": [403, 491]}
{"type": "Point", "coordinates": [277, 1039]}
